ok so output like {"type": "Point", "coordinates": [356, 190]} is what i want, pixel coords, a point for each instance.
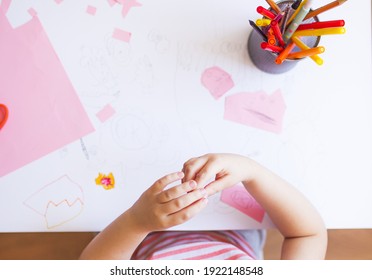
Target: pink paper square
{"type": "Point", "coordinates": [239, 198]}
{"type": "Point", "coordinates": [106, 113]}
{"type": "Point", "coordinates": [217, 81]}
{"type": "Point", "coordinates": [122, 35]}
{"type": "Point", "coordinates": [91, 10]}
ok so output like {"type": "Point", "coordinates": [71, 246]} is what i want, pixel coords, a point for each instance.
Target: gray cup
{"type": "Point", "coordinates": [265, 60]}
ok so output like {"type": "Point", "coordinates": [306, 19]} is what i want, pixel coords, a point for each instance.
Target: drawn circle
{"type": "Point", "coordinates": [132, 133]}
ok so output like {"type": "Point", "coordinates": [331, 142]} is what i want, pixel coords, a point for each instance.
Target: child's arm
{"type": "Point", "coordinates": [156, 209]}
{"type": "Point", "coordinates": [298, 221]}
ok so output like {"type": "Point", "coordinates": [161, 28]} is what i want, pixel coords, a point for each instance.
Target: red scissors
{"type": "Point", "coordinates": [4, 112]}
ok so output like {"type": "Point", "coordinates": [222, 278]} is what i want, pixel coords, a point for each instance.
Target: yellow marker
{"type": "Point", "coordinates": [306, 53]}
{"type": "Point", "coordinates": [317, 59]}
{"type": "Point", "coordinates": [321, 32]}
{"type": "Point", "coordinates": [263, 22]}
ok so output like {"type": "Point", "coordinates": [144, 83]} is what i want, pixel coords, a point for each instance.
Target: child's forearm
{"type": "Point", "coordinates": [118, 241]}
{"type": "Point", "coordinates": [291, 212]}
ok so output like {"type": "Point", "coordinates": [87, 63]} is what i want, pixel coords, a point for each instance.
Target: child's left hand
{"type": "Point", "coordinates": [158, 209]}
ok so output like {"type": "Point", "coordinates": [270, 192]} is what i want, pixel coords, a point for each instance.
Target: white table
{"type": "Point", "coordinates": [164, 115]}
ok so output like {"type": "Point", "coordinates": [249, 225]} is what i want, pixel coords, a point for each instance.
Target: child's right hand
{"type": "Point", "coordinates": [158, 209]}
{"type": "Point", "coordinates": [225, 170]}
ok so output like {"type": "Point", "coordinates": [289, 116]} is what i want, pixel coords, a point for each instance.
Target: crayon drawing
{"type": "Point", "coordinates": [57, 202]}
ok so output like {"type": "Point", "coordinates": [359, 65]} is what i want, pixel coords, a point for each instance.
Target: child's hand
{"type": "Point", "coordinates": [224, 169]}
{"type": "Point", "coordinates": [159, 209]}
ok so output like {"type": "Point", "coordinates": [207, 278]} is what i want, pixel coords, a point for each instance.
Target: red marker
{"type": "Point", "coordinates": [266, 46]}
{"type": "Point", "coordinates": [278, 34]}
{"type": "Point", "coordinates": [265, 12]}
{"type": "Point", "coordinates": [322, 24]}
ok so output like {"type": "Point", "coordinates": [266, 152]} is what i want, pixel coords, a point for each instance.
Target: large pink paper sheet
{"type": "Point", "coordinates": [257, 109]}
{"type": "Point", "coordinates": [46, 113]}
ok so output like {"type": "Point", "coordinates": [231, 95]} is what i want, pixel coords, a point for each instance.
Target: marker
{"type": "Point", "coordinates": [306, 53]}
{"type": "Point", "coordinates": [317, 59]}
{"type": "Point", "coordinates": [255, 27]}
{"type": "Point", "coordinates": [283, 55]}
{"type": "Point", "coordinates": [321, 24]}
{"type": "Point", "coordinates": [278, 34]}
{"type": "Point", "coordinates": [296, 4]}
{"type": "Point", "coordinates": [265, 12]}
{"type": "Point", "coordinates": [272, 48]}
{"type": "Point", "coordinates": [271, 39]}
{"type": "Point", "coordinates": [325, 8]}
{"type": "Point", "coordinates": [4, 113]}
{"type": "Point", "coordinates": [274, 6]}
{"type": "Point", "coordinates": [296, 12]}
{"type": "Point", "coordinates": [263, 22]}
{"type": "Point", "coordinates": [283, 23]}
{"type": "Point", "coordinates": [297, 20]}
{"type": "Point", "coordinates": [321, 32]}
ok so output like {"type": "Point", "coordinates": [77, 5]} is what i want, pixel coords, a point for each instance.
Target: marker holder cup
{"type": "Point", "coordinates": [265, 60]}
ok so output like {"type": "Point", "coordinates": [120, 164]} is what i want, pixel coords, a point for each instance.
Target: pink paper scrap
{"type": "Point", "coordinates": [127, 5]}
{"type": "Point", "coordinates": [106, 113]}
{"type": "Point", "coordinates": [217, 81]}
{"type": "Point", "coordinates": [46, 112]}
{"type": "Point", "coordinates": [256, 109]}
{"type": "Point", "coordinates": [32, 12]}
{"type": "Point", "coordinates": [112, 2]}
{"type": "Point", "coordinates": [122, 35]}
{"type": "Point", "coordinates": [239, 198]}
{"type": "Point", "coordinates": [91, 10]}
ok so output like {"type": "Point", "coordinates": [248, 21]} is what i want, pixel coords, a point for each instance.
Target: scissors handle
{"type": "Point", "coordinates": [4, 113]}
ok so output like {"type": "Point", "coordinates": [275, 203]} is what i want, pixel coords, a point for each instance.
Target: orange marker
{"type": "Point", "coordinates": [324, 8]}
{"type": "Point", "coordinates": [306, 53]}
{"type": "Point", "coordinates": [274, 6]}
{"type": "Point", "coordinates": [317, 59]}
{"type": "Point", "coordinates": [271, 37]}
{"type": "Point", "coordinates": [283, 55]}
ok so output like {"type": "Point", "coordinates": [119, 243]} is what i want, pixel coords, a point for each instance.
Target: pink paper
{"type": "Point", "coordinates": [106, 113]}
{"type": "Point", "coordinates": [122, 35]}
{"type": "Point", "coordinates": [46, 113]}
{"type": "Point", "coordinates": [127, 5]}
{"type": "Point", "coordinates": [238, 197]}
{"type": "Point", "coordinates": [58, 1]}
{"type": "Point", "coordinates": [32, 12]}
{"type": "Point", "coordinates": [217, 81]}
{"type": "Point", "coordinates": [257, 109]}
{"type": "Point", "coordinates": [111, 2]}
{"type": "Point", "coordinates": [91, 10]}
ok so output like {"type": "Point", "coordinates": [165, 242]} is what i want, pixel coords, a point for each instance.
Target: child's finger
{"type": "Point", "coordinates": [175, 192]}
{"type": "Point", "coordinates": [160, 184]}
{"type": "Point", "coordinates": [192, 166]}
{"type": "Point", "coordinates": [187, 213]}
{"type": "Point", "coordinates": [184, 201]}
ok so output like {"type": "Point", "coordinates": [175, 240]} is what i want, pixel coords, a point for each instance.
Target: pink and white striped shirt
{"type": "Point", "coordinates": [181, 245]}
